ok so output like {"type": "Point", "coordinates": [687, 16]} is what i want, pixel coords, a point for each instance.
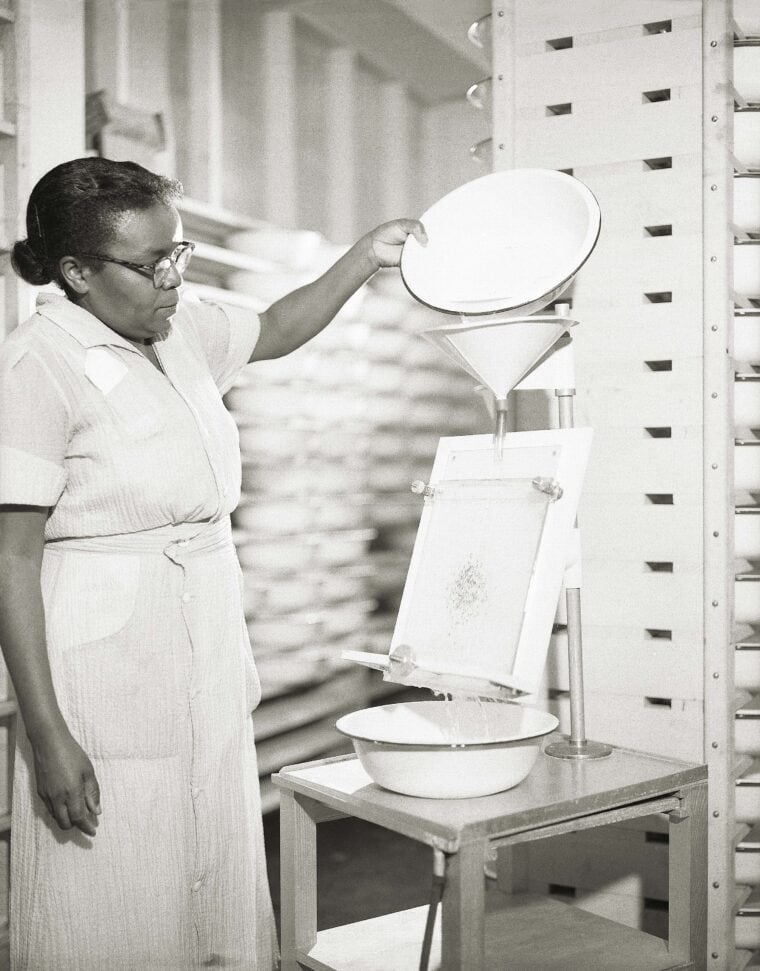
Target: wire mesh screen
{"type": "Point", "coordinates": [465, 598]}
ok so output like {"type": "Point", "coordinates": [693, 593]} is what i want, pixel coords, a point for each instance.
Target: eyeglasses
{"type": "Point", "coordinates": [160, 270]}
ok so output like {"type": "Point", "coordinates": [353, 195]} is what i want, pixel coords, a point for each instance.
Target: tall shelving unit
{"type": "Point", "coordinates": [8, 202]}
{"type": "Point", "coordinates": [745, 502]}
{"type": "Point", "coordinates": [642, 102]}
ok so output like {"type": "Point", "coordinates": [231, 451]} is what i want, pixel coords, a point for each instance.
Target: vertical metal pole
{"type": "Point", "coordinates": [718, 473]}
{"type": "Point", "coordinates": [575, 659]}
{"type": "Point", "coordinates": [573, 603]}
{"type": "Point", "coordinates": [578, 747]}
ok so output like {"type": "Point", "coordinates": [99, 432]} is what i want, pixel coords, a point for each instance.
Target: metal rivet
{"type": "Point", "coordinates": [501, 13]}
{"type": "Point", "coordinates": [713, 259]}
{"type": "Point", "coordinates": [714, 118]}
{"type": "Point", "coordinates": [500, 77]}
{"type": "Point", "coordinates": [716, 814]}
{"type": "Point", "coordinates": [715, 955]}
{"type": "Point", "coordinates": [714, 465]}
{"type": "Point", "coordinates": [714, 394]}
{"type": "Point", "coordinates": [716, 885]}
{"type": "Point", "coordinates": [713, 43]}
{"type": "Point", "coordinates": [716, 533]}
{"type": "Point", "coordinates": [715, 603]}
{"type": "Point", "coordinates": [714, 327]}
{"type": "Point", "coordinates": [716, 675]}
{"type": "Point", "coordinates": [501, 146]}
{"type": "Point", "coordinates": [714, 744]}
{"type": "Point", "coordinates": [713, 188]}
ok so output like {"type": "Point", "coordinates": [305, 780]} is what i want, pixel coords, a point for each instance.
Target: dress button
{"type": "Point", "coordinates": [197, 885]}
{"type": "Point", "coordinates": [186, 598]}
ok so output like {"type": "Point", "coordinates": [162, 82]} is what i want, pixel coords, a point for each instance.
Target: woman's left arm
{"type": "Point", "coordinates": [297, 317]}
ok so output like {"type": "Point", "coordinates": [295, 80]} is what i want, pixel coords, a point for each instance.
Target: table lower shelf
{"type": "Point", "coordinates": [523, 933]}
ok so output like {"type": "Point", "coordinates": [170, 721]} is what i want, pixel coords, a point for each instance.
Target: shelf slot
{"type": "Point", "coordinates": [747, 437]}
{"type": "Point", "coordinates": [658, 27]}
{"type": "Point", "coordinates": [657, 164]}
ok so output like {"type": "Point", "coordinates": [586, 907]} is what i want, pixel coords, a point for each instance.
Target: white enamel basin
{"type": "Point", "coordinates": [447, 750]}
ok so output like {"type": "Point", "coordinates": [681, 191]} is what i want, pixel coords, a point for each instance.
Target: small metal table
{"type": "Point", "coordinates": [520, 932]}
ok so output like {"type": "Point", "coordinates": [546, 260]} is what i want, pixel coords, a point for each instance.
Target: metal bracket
{"type": "Point", "coordinates": [420, 488]}
{"type": "Point", "coordinates": [551, 487]}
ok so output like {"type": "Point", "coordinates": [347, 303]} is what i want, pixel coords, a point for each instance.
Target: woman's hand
{"type": "Point", "coordinates": [66, 783]}
{"type": "Point", "coordinates": [295, 318]}
{"type": "Point", "coordinates": [386, 241]}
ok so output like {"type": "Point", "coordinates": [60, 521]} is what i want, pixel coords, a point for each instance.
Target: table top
{"type": "Point", "coordinates": [555, 791]}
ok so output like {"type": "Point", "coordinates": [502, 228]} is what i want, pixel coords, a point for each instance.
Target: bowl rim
{"type": "Point", "coordinates": [438, 746]}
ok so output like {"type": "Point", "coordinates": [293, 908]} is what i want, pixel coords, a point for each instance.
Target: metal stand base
{"type": "Point", "coordinates": [578, 750]}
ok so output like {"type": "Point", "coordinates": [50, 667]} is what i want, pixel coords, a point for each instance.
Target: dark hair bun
{"type": "Point", "coordinates": [28, 264]}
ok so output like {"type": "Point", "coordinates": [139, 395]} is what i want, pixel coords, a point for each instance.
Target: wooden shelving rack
{"type": "Point", "coordinates": [646, 103]}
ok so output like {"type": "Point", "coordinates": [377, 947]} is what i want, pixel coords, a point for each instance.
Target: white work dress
{"type": "Point", "coordinates": [147, 643]}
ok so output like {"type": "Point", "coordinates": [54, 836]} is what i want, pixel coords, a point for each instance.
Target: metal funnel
{"type": "Point", "coordinates": [499, 351]}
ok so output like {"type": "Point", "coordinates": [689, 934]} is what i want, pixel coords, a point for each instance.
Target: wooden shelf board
{"type": "Point", "coordinates": [7, 16]}
{"type": "Point", "coordinates": [219, 256]}
{"type": "Point", "coordinates": [307, 742]}
{"type": "Point", "coordinates": [747, 639]}
{"type": "Point", "coordinates": [535, 932]}
{"type": "Point", "coordinates": [219, 295]}
{"type": "Point", "coordinates": [742, 831]}
{"type": "Point", "coordinates": [343, 693]}
{"type": "Point", "coordinates": [748, 774]}
{"type": "Point", "coordinates": [745, 705]}
{"type": "Point", "coordinates": [742, 895]}
{"type": "Point", "coordinates": [743, 764]}
{"type": "Point", "coordinates": [213, 221]}
{"type": "Point", "coordinates": [624, 779]}
{"type": "Point", "coordinates": [750, 843]}
{"type": "Point", "coordinates": [750, 905]}
{"type": "Point", "coordinates": [750, 708]}
{"type": "Point", "coordinates": [744, 959]}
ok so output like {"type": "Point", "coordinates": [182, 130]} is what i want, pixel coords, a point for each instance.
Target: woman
{"type": "Point", "coordinates": [137, 840]}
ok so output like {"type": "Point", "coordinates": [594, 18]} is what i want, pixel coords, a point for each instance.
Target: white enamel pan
{"type": "Point", "coordinates": [509, 242]}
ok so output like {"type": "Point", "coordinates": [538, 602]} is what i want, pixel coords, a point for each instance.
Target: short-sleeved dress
{"type": "Point", "coordinates": [147, 643]}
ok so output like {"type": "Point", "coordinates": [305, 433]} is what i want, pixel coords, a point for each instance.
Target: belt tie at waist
{"type": "Point", "coordinates": [183, 539]}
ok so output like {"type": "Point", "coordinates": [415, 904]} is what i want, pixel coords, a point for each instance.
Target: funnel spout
{"type": "Point", "coordinates": [501, 427]}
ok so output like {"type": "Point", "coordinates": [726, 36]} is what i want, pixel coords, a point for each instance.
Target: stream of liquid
{"type": "Point", "coordinates": [460, 729]}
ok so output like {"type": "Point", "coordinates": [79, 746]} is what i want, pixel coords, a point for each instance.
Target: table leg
{"type": "Point", "coordinates": [687, 921]}
{"type": "Point", "coordinates": [298, 878]}
{"type": "Point", "coordinates": [463, 924]}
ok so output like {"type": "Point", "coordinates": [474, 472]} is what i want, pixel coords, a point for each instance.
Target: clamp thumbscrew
{"type": "Point", "coordinates": [420, 488]}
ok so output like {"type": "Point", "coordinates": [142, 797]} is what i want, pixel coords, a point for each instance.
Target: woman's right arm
{"type": "Point", "coordinates": [65, 777]}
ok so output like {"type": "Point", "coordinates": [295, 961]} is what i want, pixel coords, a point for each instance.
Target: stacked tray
{"type": "Point", "coordinates": [302, 527]}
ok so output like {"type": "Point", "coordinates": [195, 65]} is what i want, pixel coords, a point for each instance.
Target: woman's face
{"type": "Point", "coordinates": [125, 299]}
